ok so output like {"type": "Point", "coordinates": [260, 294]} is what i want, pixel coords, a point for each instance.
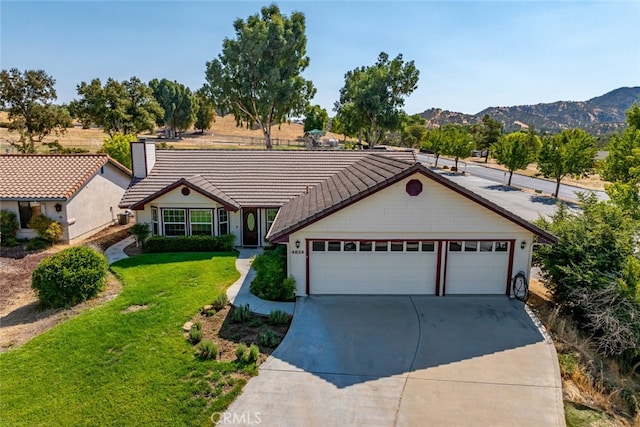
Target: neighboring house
{"type": "Point", "coordinates": [80, 191]}
{"type": "Point", "coordinates": [354, 222]}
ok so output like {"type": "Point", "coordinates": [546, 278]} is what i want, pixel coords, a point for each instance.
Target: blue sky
{"type": "Point", "coordinates": [471, 54]}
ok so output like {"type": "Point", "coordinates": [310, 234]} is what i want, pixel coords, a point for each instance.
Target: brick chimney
{"type": "Point", "coordinates": [143, 157]}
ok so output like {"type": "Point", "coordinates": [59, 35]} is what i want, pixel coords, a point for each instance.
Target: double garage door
{"type": "Point", "coordinates": [408, 267]}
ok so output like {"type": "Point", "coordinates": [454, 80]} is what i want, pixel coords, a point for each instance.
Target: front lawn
{"type": "Point", "coordinates": [126, 362]}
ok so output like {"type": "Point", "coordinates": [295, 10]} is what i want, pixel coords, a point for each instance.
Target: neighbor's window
{"type": "Point", "coordinates": [471, 246]}
{"type": "Point", "coordinates": [223, 222]}
{"type": "Point", "coordinates": [455, 246]}
{"type": "Point", "coordinates": [428, 246]}
{"type": "Point", "coordinates": [201, 222]}
{"type": "Point", "coordinates": [397, 246]}
{"type": "Point", "coordinates": [502, 246]}
{"type": "Point", "coordinates": [271, 216]}
{"type": "Point", "coordinates": [27, 210]}
{"type": "Point", "coordinates": [335, 246]}
{"type": "Point", "coordinates": [174, 222]}
{"type": "Point", "coordinates": [318, 246]}
{"type": "Point", "coordinates": [382, 246]}
{"type": "Point", "coordinates": [413, 246]}
{"type": "Point", "coordinates": [365, 246]}
{"type": "Point", "coordinates": [154, 221]}
{"type": "Point", "coordinates": [486, 246]}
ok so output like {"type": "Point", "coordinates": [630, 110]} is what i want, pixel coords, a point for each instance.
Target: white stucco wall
{"type": "Point", "coordinates": [436, 214]}
{"type": "Point", "coordinates": [95, 205]}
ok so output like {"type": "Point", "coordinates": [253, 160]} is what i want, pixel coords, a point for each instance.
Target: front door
{"type": "Point", "coordinates": [249, 227]}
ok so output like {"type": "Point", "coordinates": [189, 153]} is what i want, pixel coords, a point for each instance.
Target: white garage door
{"type": "Point", "coordinates": [477, 267]}
{"type": "Point", "coordinates": [372, 267]}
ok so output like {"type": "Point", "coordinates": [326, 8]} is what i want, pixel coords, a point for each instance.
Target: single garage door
{"type": "Point", "coordinates": [477, 267]}
{"type": "Point", "coordinates": [372, 267]}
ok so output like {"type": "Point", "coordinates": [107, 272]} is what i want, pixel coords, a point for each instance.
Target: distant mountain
{"type": "Point", "coordinates": [599, 116]}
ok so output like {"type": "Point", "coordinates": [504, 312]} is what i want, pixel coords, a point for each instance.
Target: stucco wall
{"type": "Point", "coordinates": [437, 213]}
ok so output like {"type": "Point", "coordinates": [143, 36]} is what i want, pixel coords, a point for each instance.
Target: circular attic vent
{"type": "Point", "coordinates": [414, 187]}
{"type": "Point", "coordinates": [186, 191]}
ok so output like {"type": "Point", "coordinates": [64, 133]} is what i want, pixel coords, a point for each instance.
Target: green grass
{"type": "Point", "coordinates": [106, 367]}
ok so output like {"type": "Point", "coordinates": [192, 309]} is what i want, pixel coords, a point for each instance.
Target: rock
{"type": "Point", "coordinates": [187, 326]}
{"type": "Point", "coordinates": [207, 307]}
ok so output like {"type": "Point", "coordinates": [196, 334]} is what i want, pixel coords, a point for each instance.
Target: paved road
{"type": "Point", "coordinates": [567, 192]}
{"type": "Point", "coordinates": [407, 361]}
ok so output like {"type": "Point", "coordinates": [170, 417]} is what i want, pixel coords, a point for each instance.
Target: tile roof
{"type": "Point", "coordinates": [361, 179]}
{"type": "Point", "coordinates": [48, 176]}
{"type": "Point", "coordinates": [248, 178]}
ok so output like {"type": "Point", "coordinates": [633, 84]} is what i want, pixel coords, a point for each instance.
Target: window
{"type": "Point", "coordinates": [349, 246]}
{"type": "Point", "coordinates": [174, 222]}
{"type": "Point", "coordinates": [366, 246]}
{"type": "Point", "coordinates": [455, 246]}
{"type": "Point", "coordinates": [397, 246]}
{"type": "Point", "coordinates": [471, 246]}
{"type": "Point", "coordinates": [271, 216]}
{"type": "Point", "coordinates": [154, 221]}
{"type": "Point", "coordinates": [27, 210]}
{"type": "Point", "coordinates": [201, 222]}
{"type": "Point", "coordinates": [428, 246]}
{"type": "Point", "coordinates": [223, 222]}
{"type": "Point", "coordinates": [318, 246]}
{"type": "Point", "coordinates": [413, 246]}
{"type": "Point", "coordinates": [486, 246]}
{"type": "Point", "coordinates": [335, 246]}
{"type": "Point", "coordinates": [502, 246]}
{"type": "Point", "coordinates": [382, 246]}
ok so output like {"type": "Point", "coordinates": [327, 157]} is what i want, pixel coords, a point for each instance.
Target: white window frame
{"type": "Point", "coordinates": [155, 221]}
{"type": "Point", "coordinates": [221, 222]}
{"type": "Point", "coordinates": [192, 223]}
{"type": "Point", "coordinates": [165, 222]}
{"type": "Point", "coordinates": [270, 222]}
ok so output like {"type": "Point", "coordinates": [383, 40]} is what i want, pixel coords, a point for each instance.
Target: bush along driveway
{"type": "Point", "coordinates": [127, 362]}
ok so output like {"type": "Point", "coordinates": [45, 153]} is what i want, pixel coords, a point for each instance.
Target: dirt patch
{"type": "Point", "coordinates": [21, 318]}
{"type": "Point", "coordinates": [134, 307]}
{"type": "Point", "coordinates": [227, 335]}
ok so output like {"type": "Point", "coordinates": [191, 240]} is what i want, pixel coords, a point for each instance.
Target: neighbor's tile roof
{"type": "Point", "coordinates": [248, 178]}
{"type": "Point", "coordinates": [362, 179]}
{"type": "Point", "coordinates": [48, 176]}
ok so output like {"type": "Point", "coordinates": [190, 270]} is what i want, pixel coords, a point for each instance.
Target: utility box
{"type": "Point", "coordinates": [123, 218]}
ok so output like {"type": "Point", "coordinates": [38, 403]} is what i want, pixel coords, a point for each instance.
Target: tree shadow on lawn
{"type": "Point", "coordinates": [550, 201]}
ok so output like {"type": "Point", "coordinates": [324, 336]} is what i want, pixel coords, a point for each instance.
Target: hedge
{"type": "Point", "coordinates": [271, 281]}
{"type": "Point", "coordinates": [70, 276]}
{"type": "Point", "coordinates": [158, 244]}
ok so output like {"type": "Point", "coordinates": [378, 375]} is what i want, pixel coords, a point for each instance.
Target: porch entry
{"type": "Point", "coordinates": [250, 227]}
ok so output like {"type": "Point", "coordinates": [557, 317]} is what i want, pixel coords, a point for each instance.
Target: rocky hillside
{"type": "Point", "coordinates": [600, 115]}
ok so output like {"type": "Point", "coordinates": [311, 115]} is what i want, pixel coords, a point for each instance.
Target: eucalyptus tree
{"type": "Point", "coordinates": [257, 77]}
{"type": "Point", "coordinates": [179, 104]}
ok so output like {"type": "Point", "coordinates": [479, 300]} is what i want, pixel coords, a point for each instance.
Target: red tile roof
{"type": "Point", "coordinates": [362, 179]}
{"type": "Point", "coordinates": [245, 178]}
{"type": "Point", "coordinates": [48, 176]}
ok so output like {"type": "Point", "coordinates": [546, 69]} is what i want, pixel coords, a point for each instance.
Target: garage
{"type": "Point", "coordinates": [373, 267]}
{"type": "Point", "coordinates": [477, 267]}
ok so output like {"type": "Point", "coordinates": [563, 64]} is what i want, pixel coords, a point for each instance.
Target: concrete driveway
{"type": "Point", "coordinates": [406, 361]}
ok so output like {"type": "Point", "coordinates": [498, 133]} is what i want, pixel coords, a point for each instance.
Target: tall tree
{"type": "Point", "coordinates": [458, 142]}
{"type": "Point", "coordinates": [513, 152]}
{"type": "Point", "coordinates": [28, 97]}
{"type": "Point", "coordinates": [435, 141]}
{"type": "Point", "coordinates": [126, 107]}
{"type": "Point", "coordinates": [413, 131]}
{"type": "Point", "coordinates": [374, 95]}
{"type": "Point", "coordinates": [489, 133]}
{"type": "Point", "coordinates": [257, 77]}
{"type": "Point", "coordinates": [179, 104]}
{"type": "Point", "coordinates": [316, 117]}
{"type": "Point", "coordinates": [206, 111]}
{"type": "Point", "coordinates": [571, 152]}
{"type": "Point", "coordinates": [118, 147]}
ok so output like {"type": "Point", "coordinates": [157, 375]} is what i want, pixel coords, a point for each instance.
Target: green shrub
{"type": "Point", "coordinates": [254, 353]}
{"type": "Point", "coordinates": [241, 351]}
{"type": "Point", "coordinates": [220, 302]}
{"type": "Point", "coordinates": [141, 232]}
{"type": "Point", "coordinates": [197, 325]}
{"type": "Point", "coordinates": [46, 228]}
{"type": "Point", "coordinates": [156, 244]}
{"type": "Point", "coordinates": [278, 317]}
{"type": "Point", "coordinates": [9, 227]}
{"type": "Point", "coordinates": [240, 314]}
{"type": "Point", "coordinates": [195, 335]}
{"type": "Point", "coordinates": [271, 282]}
{"type": "Point", "coordinates": [207, 350]}
{"type": "Point", "coordinates": [268, 338]}
{"type": "Point", "coordinates": [70, 276]}
{"type": "Point", "coordinates": [36, 244]}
